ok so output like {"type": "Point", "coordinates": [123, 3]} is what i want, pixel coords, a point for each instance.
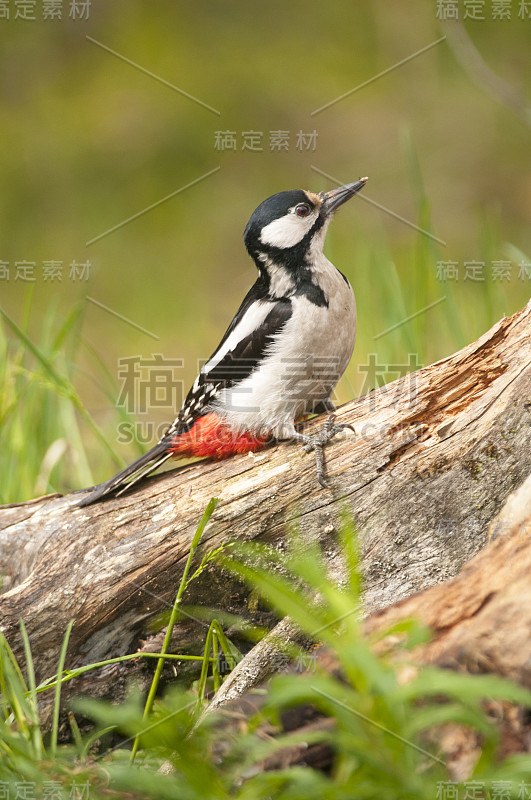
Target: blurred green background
{"type": "Point", "coordinates": [90, 139]}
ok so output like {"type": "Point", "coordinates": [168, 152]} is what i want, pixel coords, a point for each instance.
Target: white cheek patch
{"type": "Point", "coordinates": [287, 231]}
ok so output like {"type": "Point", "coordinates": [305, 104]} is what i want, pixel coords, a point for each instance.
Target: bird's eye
{"type": "Point", "coordinates": [302, 210]}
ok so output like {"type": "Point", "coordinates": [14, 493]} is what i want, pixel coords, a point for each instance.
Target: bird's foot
{"type": "Point", "coordinates": [317, 444]}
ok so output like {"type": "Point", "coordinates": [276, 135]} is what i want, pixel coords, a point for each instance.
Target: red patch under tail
{"type": "Point", "coordinates": [210, 437]}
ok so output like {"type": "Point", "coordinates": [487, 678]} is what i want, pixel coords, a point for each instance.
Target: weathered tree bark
{"type": "Point", "coordinates": [436, 455]}
{"type": "Point", "coordinates": [481, 619]}
{"type": "Point", "coordinates": [480, 623]}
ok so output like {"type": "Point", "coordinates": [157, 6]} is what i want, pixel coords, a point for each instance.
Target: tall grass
{"type": "Point", "coordinates": [44, 425]}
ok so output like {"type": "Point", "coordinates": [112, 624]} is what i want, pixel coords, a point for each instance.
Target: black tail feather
{"type": "Point", "coordinates": [135, 471]}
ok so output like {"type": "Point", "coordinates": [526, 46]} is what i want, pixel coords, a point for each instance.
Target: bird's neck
{"type": "Point", "coordinates": [280, 278]}
{"type": "Point", "coordinates": [287, 279]}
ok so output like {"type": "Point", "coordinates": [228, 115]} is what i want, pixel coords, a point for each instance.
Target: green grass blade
{"type": "Point", "coordinates": [212, 504]}
{"type": "Point", "coordinates": [36, 732]}
{"type": "Point", "coordinates": [62, 385]}
{"type": "Point", "coordinates": [70, 674]}
{"type": "Point", "coordinates": [201, 688]}
{"type": "Point", "coordinates": [215, 663]}
{"type": "Point", "coordinates": [76, 734]}
{"type": "Point", "coordinates": [57, 379]}
{"type": "Point", "coordinates": [14, 690]}
{"type": "Point", "coordinates": [67, 328]}
{"type": "Point", "coordinates": [94, 738]}
{"type": "Point", "coordinates": [228, 648]}
{"type": "Point", "coordinates": [57, 698]}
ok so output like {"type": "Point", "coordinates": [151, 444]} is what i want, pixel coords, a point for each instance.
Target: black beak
{"type": "Point", "coordinates": [336, 197]}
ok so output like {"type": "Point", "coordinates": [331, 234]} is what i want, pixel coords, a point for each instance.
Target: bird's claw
{"type": "Point", "coordinates": [317, 444]}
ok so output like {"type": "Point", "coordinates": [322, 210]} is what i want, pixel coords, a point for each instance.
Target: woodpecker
{"type": "Point", "coordinates": [281, 356]}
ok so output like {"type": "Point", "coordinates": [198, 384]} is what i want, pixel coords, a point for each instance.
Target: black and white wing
{"type": "Point", "coordinates": [245, 344]}
{"type": "Point", "coordinates": [241, 349]}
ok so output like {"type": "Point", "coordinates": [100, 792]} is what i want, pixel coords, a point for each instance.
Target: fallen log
{"type": "Point", "coordinates": [435, 456]}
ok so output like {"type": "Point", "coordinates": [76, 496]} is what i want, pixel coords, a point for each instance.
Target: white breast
{"type": "Point", "coordinates": [305, 362]}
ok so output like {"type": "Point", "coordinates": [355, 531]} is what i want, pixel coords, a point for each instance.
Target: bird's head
{"type": "Point", "coordinates": [288, 226]}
